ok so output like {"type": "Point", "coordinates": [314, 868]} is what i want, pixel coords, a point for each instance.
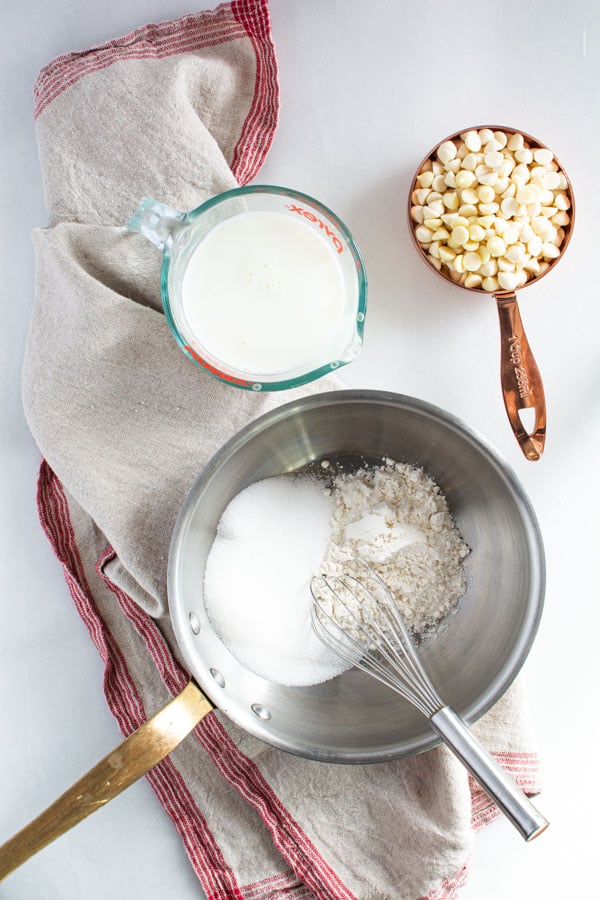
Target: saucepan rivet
{"type": "Point", "coordinates": [261, 711]}
{"type": "Point", "coordinates": [194, 623]}
{"type": "Point", "coordinates": [218, 677]}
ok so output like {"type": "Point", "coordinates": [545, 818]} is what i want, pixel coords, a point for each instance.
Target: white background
{"type": "Point", "coordinates": [367, 87]}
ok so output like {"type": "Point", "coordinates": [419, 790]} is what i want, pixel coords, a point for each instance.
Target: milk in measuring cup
{"type": "Point", "coordinates": [264, 293]}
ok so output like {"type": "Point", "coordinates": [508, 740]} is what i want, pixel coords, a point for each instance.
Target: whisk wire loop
{"type": "Point", "coordinates": [373, 637]}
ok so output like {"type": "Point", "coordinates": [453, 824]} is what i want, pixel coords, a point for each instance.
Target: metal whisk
{"type": "Point", "coordinates": [360, 621]}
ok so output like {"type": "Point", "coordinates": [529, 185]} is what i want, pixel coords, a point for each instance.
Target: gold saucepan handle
{"type": "Point", "coordinates": [522, 386]}
{"type": "Point", "coordinates": [139, 753]}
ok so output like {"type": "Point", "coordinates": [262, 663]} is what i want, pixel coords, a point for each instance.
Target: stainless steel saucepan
{"type": "Point", "coordinates": [351, 719]}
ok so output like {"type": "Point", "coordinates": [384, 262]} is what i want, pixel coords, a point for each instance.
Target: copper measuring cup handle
{"type": "Point", "coordinates": [139, 753]}
{"type": "Point", "coordinates": [521, 381]}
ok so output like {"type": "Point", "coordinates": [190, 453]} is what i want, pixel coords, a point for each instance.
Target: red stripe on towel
{"type": "Point", "coordinates": [449, 888]}
{"type": "Point", "coordinates": [157, 41]}
{"type": "Point", "coordinates": [261, 122]}
{"type": "Point", "coordinates": [239, 771]}
{"type": "Point", "coordinates": [54, 517]}
{"type": "Point", "coordinates": [279, 887]}
{"type": "Point", "coordinates": [217, 879]}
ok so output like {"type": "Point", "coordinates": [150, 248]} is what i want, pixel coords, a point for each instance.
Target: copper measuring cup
{"type": "Point", "coordinates": [520, 378]}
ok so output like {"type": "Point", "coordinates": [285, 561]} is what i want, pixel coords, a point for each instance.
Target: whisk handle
{"type": "Point", "coordinates": [486, 771]}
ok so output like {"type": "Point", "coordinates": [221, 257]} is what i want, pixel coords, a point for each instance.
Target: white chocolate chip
{"type": "Point", "coordinates": [552, 181]}
{"type": "Point", "coordinates": [470, 162]}
{"type": "Point", "coordinates": [561, 201]}
{"type": "Point", "coordinates": [449, 180]}
{"type": "Point", "coordinates": [452, 165]}
{"type": "Point", "coordinates": [469, 195]}
{"type": "Point", "coordinates": [520, 174]}
{"type": "Point", "coordinates": [509, 206]}
{"type": "Point", "coordinates": [490, 283]}
{"type": "Point", "coordinates": [425, 179]}
{"type": "Point", "coordinates": [486, 221]}
{"type": "Point", "coordinates": [527, 233]}
{"type": "Point", "coordinates": [515, 142]}
{"type": "Point", "coordinates": [486, 193]}
{"type": "Point", "coordinates": [464, 179]}
{"type": "Point", "coordinates": [510, 234]}
{"type": "Point", "coordinates": [543, 156]}
{"type": "Point", "coordinates": [529, 193]}
{"type": "Point", "coordinates": [488, 209]}
{"type": "Point", "coordinates": [460, 234]}
{"type": "Point", "coordinates": [505, 265]}
{"type": "Point", "coordinates": [496, 246]}
{"type": "Point", "coordinates": [532, 265]}
{"type": "Point", "coordinates": [524, 156]}
{"type": "Point", "coordinates": [447, 254]}
{"type": "Point", "coordinates": [493, 158]}
{"type": "Point", "coordinates": [473, 280]}
{"type": "Point", "coordinates": [424, 235]}
{"type": "Point", "coordinates": [472, 261]}
{"type": "Point", "coordinates": [472, 141]}
{"type": "Point", "coordinates": [508, 280]}
{"type": "Point", "coordinates": [534, 246]}
{"type": "Point", "coordinates": [435, 207]}
{"type": "Point", "coordinates": [450, 200]}
{"type": "Point", "coordinates": [488, 268]}
{"type": "Point", "coordinates": [446, 151]}
{"type": "Point", "coordinates": [549, 251]}
{"type": "Point", "coordinates": [450, 218]}
{"type": "Point", "coordinates": [515, 253]}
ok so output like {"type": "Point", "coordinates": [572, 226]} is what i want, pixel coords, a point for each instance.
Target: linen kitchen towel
{"type": "Point", "coordinates": [124, 421]}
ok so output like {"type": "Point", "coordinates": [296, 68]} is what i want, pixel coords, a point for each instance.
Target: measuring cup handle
{"type": "Point", "coordinates": [156, 221]}
{"type": "Point", "coordinates": [522, 386]}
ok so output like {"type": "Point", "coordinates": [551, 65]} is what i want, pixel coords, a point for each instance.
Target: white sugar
{"type": "Point", "coordinates": [270, 541]}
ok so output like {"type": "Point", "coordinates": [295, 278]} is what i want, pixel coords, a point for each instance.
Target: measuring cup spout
{"type": "Point", "coordinates": [156, 221]}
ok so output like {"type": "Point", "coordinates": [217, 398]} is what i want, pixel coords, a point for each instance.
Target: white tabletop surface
{"type": "Point", "coordinates": [367, 87]}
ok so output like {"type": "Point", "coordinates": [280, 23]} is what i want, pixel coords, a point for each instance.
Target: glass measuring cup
{"type": "Point", "coordinates": [521, 382]}
{"type": "Point", "coordinates": [263, 287]}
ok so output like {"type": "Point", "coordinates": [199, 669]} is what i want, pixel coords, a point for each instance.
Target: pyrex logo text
{"type": "Point", "coordinates": [312, 218]}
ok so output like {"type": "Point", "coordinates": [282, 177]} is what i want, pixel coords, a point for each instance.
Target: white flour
{"type": "Point", "coordinates": [396, 519]}
{"type": "Point", "coordinates": [278, 533]}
